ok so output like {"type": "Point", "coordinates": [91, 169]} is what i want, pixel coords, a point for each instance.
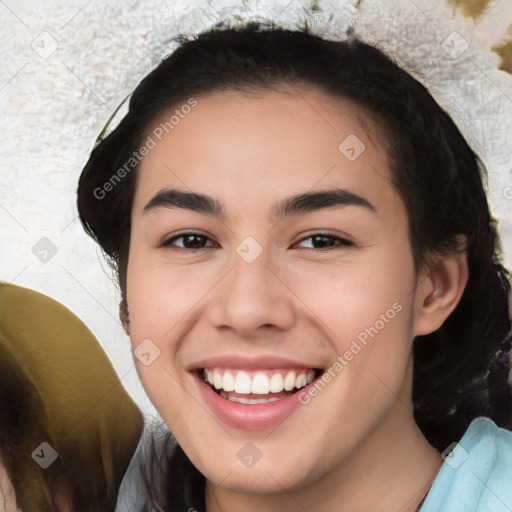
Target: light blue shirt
{"type": "Point", "coordinates": [477, 475]}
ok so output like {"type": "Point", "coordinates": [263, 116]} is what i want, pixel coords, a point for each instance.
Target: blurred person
{"type": "Point", "coordinates": [68, 428]}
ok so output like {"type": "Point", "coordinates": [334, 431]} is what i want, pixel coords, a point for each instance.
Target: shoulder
{"type": "Point", "coordinates": [477, 472]}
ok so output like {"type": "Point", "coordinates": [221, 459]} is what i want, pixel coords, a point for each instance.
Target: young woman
{"type": "Point", "coordinates": [310, 281]}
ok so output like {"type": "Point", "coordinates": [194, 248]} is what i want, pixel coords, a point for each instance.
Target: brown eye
{"type": "Point", "coordinates": [321, 241]}
{"type": "Point", "coordinates": [190, 241]}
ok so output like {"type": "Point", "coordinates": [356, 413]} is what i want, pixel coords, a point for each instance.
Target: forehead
{"type": "Point", "coordinates": [254, 146]}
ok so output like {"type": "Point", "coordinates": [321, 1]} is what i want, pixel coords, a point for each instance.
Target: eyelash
{"type": "Point", "coordinates": [342, 242]}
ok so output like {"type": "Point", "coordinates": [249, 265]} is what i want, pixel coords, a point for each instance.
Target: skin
{"type": "Point", "coordinates": [355, 446]}
{"type": "Point", "coordinates": [8, 495]}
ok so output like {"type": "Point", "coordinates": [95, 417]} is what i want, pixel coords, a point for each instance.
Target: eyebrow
{"type": "Point", "coordinates": [295, 205]}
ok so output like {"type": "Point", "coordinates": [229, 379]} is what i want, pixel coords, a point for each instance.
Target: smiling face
{"type": "Point", "coordinates": [296, 266]}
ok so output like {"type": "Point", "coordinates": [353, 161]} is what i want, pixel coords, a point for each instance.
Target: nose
{"type": "Point", "coordinates": [252, 298]}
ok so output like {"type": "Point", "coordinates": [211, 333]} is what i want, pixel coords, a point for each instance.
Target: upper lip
{"type": "Point", "coordinates": [243, 362]}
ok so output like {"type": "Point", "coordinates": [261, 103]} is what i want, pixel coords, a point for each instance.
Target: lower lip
{"type": "Point", "coordinates": [247, 416]}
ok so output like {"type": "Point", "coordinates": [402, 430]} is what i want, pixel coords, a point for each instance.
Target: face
{"type": "Point", "coordinates": [292, 288]}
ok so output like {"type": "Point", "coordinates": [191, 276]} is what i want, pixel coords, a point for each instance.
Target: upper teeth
{"type": "Point", "coordinates": [259, 383]}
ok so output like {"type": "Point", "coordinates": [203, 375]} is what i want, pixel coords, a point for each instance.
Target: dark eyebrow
{"type": "Point", "coordinates": [295, 205]}
{"type": "Point", "coordinates": [318, 200]}
{"type": "Point", "coordinates": [174, 198]}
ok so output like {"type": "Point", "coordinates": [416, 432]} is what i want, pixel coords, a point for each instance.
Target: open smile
{"type": "Point", "coordinates": [257, 387]}
{"type": "Point", "coordinates": [253, 399]}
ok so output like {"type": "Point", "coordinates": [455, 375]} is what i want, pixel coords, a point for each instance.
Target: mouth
{"type": "Point", "coordinates": [257, 387]}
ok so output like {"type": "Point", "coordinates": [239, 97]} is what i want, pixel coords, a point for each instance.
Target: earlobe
{"type": "Point", "coordinates": [439, 290]}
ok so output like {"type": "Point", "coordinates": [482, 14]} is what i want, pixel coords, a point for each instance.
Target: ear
{"type": "Point", "coordinates": [439, 289]}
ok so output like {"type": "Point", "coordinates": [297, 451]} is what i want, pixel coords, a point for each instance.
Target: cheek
{"type": "Point", "coordinates": [164, 298]}
{"type": "Point", "coordinates": [366, 311]}
{"type": "Point", "coordinates": [351, 297]}
{"type": "Point", "coordinates": [164, 301]}
{"type": "Point", "coordinates": [161, 295]}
